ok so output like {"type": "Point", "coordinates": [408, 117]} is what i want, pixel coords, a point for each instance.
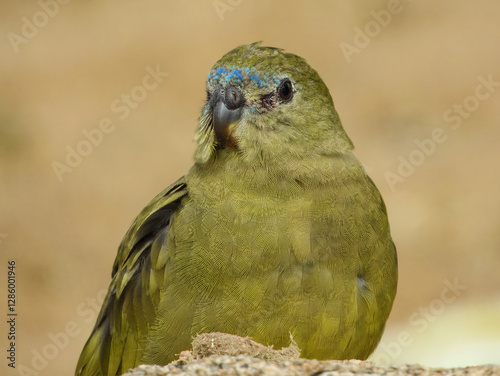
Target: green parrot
{"type": "Point", "coordinates": [275, 230]}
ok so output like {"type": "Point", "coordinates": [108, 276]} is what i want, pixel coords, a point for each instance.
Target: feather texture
{"type": "Point", "coordinates": [283, 232]}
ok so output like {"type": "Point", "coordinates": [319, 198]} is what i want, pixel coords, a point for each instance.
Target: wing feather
{"type": "Point", "coordinates": [116, 342]}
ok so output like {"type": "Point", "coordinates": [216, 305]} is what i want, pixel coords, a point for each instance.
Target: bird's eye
{"type": "Point", "coordinates": [285, 90]}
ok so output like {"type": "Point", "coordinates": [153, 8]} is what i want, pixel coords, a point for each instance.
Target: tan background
{"type": "Point", "coordinates": [64, 234]}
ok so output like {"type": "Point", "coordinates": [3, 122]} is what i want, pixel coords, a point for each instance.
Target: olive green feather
{"type": "Point", "coordinates": [276, 229]}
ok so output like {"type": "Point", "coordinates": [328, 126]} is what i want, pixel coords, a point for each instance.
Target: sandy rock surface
{"type": "Point", "coordinates": [225, 354]}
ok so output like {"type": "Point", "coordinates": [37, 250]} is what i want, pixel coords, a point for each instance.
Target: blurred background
{"type": "Point", "coordinates": [84, 146]}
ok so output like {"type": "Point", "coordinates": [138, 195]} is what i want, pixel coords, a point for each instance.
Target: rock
{"type": "Point", "coordinates": [226, 354]}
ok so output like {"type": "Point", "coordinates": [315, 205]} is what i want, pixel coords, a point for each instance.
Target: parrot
{"type": "Point", "coordinates": [275, 230]}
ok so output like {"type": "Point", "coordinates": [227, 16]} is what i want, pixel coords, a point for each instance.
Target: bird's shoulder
{"type": "Point", "coordinates": [147, 225]}
{"type": "Point", "coordinates": [128, 310]}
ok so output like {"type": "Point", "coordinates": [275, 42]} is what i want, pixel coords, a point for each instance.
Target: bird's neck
{"type": "Point", "coordinates": [230, 171]}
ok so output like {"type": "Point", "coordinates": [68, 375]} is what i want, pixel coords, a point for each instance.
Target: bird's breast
{"type": "Point", "coordinates": [316, 262]}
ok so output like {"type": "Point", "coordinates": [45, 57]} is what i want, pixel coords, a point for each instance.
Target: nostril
{"type": "Point", "coordinates": [233, 98]}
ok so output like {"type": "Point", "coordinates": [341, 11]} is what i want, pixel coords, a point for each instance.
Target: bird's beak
{"type": "Point", "coordinates": [227, 104]}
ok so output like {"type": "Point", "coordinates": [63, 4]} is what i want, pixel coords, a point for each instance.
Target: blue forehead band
{"type": "Point", "coordinates": [236, 75]}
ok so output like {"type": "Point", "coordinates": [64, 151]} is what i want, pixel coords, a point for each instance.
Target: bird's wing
{"type": "Point", "coordinates": [116, 342]}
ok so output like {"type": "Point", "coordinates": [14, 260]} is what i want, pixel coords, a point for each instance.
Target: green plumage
{"type": "Point", "coordinates": [276, 229]}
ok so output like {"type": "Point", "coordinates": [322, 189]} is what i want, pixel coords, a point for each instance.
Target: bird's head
{"type": "Point", "coordinates": [267, 106]}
